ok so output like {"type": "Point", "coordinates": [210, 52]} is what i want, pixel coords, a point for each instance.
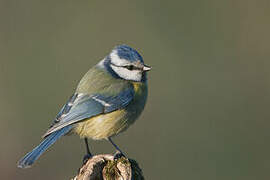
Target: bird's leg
{"type": "Point", "coordinates": [118, 153]}
{"type": "Point", "coordinates": [88, 153]}
{"type": "Point", "coordinates": [87, 146]}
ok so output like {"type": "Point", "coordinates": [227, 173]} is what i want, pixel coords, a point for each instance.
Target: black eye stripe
{"type": "Point", "coordinates": [129, 67]}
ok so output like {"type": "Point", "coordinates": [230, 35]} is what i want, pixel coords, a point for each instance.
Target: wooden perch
{"type": "Point", "coordinates": [104, 167]}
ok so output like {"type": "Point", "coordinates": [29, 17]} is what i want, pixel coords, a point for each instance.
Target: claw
{"type": "Point", "coordinates": [118, 155]}
{"type": "Point", "coordinates": [86, 158]}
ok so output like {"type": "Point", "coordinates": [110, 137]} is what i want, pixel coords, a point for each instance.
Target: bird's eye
{"type": "Point", "coordinates": [129, 67]}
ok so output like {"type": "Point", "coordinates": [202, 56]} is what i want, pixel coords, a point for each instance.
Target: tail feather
{"type": "Point", "coordinates": [32, 156]}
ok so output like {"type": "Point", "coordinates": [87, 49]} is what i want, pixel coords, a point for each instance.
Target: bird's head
{"type": "Point", "coordinates": [126, 63]}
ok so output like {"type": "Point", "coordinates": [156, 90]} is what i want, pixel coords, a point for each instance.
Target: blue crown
{"type": "Point", "coordinates": [128, 53]}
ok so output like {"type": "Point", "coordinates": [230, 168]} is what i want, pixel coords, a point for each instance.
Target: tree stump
{"type": "Point", "coordinates": [105, 167]}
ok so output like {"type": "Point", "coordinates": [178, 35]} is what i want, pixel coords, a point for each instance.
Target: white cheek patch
{"type": "Point", "coordinates": [124, 73]}
{"type": "Point", "coordinates": [116, 60]}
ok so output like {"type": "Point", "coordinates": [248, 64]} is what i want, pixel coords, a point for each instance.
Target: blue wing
{"type": "Point", "coordinates": [84, 106]}
{"type": "Point", "coordinates": [78, 108]}
{"type": "Point", "coordinates": [112, 103]}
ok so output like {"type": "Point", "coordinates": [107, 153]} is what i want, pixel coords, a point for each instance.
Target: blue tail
{"type": "Point", "coordinates": [32, 156]}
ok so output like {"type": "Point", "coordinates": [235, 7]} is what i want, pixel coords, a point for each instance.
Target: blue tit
{"type": "Point", "coordinates": [108, 99]}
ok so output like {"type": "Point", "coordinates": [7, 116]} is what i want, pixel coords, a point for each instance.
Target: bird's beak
{"type": "Point", "coordinates": [146, 68]}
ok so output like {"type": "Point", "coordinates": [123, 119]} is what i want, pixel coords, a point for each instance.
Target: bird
{"type": "Point", "coordinates": [108, 99]}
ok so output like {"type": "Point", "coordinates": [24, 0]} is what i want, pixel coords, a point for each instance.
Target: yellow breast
{"type": "Point", "coordinates": [138, 87]}
{"type": "Point", "coordinates": [103, 126]}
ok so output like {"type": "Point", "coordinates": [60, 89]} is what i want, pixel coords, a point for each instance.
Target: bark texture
{"type": "Point", "coordinates": [105, 167]}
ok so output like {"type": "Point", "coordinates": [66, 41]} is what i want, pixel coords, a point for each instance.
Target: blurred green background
{"type": "Point", "coordinates": [207, 115]}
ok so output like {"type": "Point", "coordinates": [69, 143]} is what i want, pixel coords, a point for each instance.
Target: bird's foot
{"type": "Point", "coordinates": [86, 158]}
{"type": "Point", "coordinates": [118, 155]}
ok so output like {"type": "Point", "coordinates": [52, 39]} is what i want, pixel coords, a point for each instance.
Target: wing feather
{"type": "Point", "coordinates": [84, 106]}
